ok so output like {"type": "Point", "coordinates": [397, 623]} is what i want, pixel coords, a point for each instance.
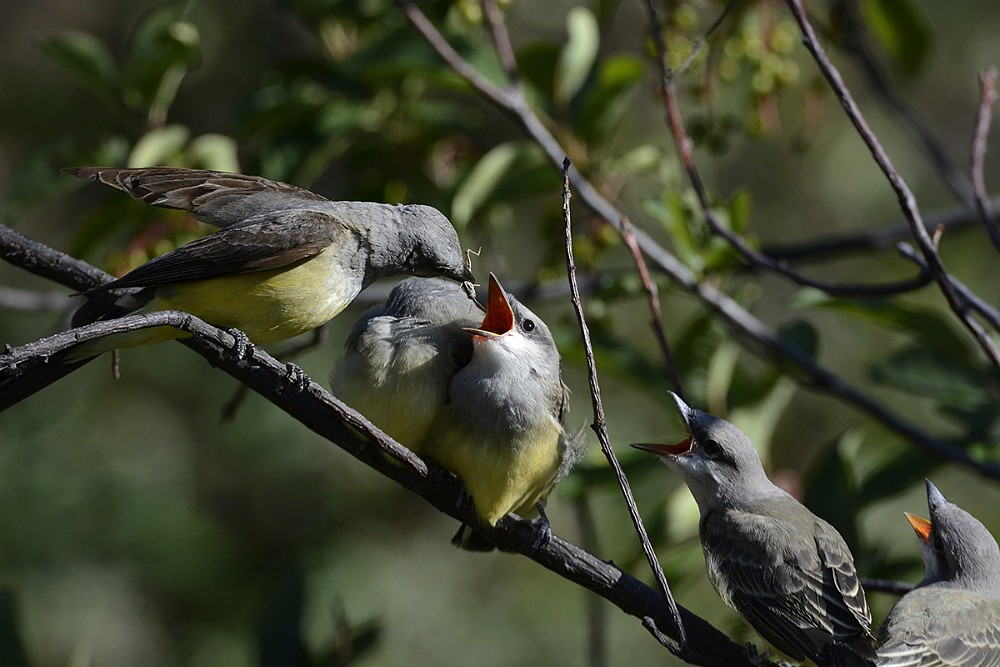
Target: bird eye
{"type": "Point", "coordinates": [711, 448]}
{"type": "Point", "coordinates": [528, 325]}
{"type": "Point", "coordinates": [938, 543]}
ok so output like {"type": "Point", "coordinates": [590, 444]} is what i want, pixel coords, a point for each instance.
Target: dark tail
{"type": "Point", "coordinates": [18, 384]}
{"type": "Point", "coordinates": [470, 539]}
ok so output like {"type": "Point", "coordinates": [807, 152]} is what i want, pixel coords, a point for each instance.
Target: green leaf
{"type": "Point", "coordinates": [606, 99]}
{"type": "Point", "coordinates": [509, 169]}
{"type": "Point", "coordinates": [164, 49]}
{"type": "Point", "coordinates": [214, 151]}
{"type": "Point", "coordinates": [901, 29]}
{"type": "Point", "coordinates": [85, 59]}
{"type": "Point", "coordinates": [159, 146]}
{"type": "Point", "coordinates": [578, 55]}
{"type": "Point", "coordinates": [925, 372]}
{"type": "Point", "coordinates": [831, 493]}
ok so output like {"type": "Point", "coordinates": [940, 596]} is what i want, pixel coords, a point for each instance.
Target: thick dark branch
{"type": "Point", "coordinates": [905, 196]}
{"type": "Point", "coordinates": [987, 96]}
{"type": "Point", "coordinates": [318, 410]}
{"type": "Point", "coordinates": [685, 149]}
{"type": "Point", "coordinates": [752, 331]}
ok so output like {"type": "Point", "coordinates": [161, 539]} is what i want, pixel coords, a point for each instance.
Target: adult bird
{"type": "Point", "coordinates": [284, 261]}
{"type": "Point", "coordinates": [488, 404]}
{"type": "Point", "coordinates": [952, 617]}
{"type": "Point", "coordinates": [787, 572]}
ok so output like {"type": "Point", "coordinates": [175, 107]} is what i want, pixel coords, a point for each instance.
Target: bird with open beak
{"type": "Point", "coordinates": [787, 572]}
{"type": "Point", "coordinates": [501, 430]}
{"type": "Point", "coordinates": [952, 617]}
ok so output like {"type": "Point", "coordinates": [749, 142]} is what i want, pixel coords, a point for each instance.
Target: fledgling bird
{"type": "Point", "coordinates": [401, 356]}
{"type": "Point", "coordinates": [482, 395]}
{"type": "Point", "coordinates": [284, 261]}
{"type": "Point", "coordinates": [952, 617]}
{"type": "Point", "coordinates": [787, 572]}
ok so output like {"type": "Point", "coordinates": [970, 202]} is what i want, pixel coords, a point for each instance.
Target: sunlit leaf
{"type": "Point", "coordinates": [160, 146]}
{"type": "Point", "coordinates": [578, 55]}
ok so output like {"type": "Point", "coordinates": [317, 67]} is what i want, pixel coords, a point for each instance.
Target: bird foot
{"type": "Point", "coordinates": [296, 377]}
{"type": "Point", "coordinates": [543, 530]}
{"type": "Point", "coordinates": [242, 347]}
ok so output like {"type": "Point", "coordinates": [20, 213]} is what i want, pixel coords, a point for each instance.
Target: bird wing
{"type": "Point", "coordinates": [266, 243]}
{"type": "Point", "coordinates": [215, 197]}
{"type": "Point", "coordinates": [779, 584]}
{"type": "Point", "coordinates": [959, 630]}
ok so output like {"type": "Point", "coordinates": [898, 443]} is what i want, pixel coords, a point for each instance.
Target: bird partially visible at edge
{"type": "Point", "coordinates": [952, 617]}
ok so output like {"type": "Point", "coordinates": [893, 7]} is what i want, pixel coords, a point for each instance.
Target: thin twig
{"type": "Point", "coordinates": [700, 42]}
{"type": "Point", "coordinates": [685, 149]}
{"type": "Point", "coordinates": [600, 424]}
{"type": "Point", "coordinates": [829, 247]}
{"type": "Point", "coordinates": [653, 297]}
{"type": "Point", "coordinates": [905, 196]}
{"type": "Point", "coordinates": [858, 45]}
{"type": "Point", "coordinates": [886, 586]}
{"type": "Point", "coordinates": [501, 41]}
{"type": "Point", "coordinates": [984, 117]}
{"type": "Point", "coordinates": [762, 340]}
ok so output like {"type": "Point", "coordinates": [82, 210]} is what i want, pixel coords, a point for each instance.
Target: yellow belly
{"type": "Point", "coordinates": [268, 306]}
{"type": "Point", "coordinates": [502, 477]}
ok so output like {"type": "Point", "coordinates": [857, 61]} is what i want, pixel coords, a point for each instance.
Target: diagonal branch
{"type": "Point", "coordinates": [987, 96]}
{"type": "Point", "coordinates": [758, 338]}
{"type": "Point", "coordinates": [600, 427]}
{"type": "Point", "coordinates": [324, 414]}
{"type": "Point", "coordinates": [685, 149]}
{"type": "Point", "coordinates": [905, 196]}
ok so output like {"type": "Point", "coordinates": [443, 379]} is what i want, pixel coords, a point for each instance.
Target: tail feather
{"type": "Point", "coordinates": [17, 385]}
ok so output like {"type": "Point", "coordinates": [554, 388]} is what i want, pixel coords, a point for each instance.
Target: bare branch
{"type": "Point", "coordinates": [987, 96]}
{"type": "Point", "coordinates": [907, 201]}
{"type": "Point", "coordinates": [685, 149]}
{"type": "Point", "coordinates": [601, 429]}
{"type": "Point", "coordinates": [886, 586]}
{"type": "Point", "coordinates": [858, 45]}
{"type": "Point", "coordinates": [656, 315]}
{"type": "Point", "coordinates": [758, 338]}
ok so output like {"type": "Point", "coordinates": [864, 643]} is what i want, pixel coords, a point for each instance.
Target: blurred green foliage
{"type": "Point", "coordinates": [135, 529]}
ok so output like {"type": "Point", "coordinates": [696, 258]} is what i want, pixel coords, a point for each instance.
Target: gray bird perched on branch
{"type": "Point", "coordinates": [487, 404]}
{"type": "Point", "coordinates": [284, 261]}
{"type": "Point", "coordinates": [952, 617]}
{"type": "Point", "coordinates": [787, 572]}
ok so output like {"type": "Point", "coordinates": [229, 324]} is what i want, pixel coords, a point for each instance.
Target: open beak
{"type": "Point", "coordinates": [680, 449]}
{"type": "Point", "coordinates": [921, 525]}
{"type": "Point", "coordinates": [499, 318]}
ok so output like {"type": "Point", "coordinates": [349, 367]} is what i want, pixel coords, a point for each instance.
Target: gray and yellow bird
{"type": "Point", "coordinates": [952, 617]}
{"type": "Point", "coordinates": [284, 261]}
{"type": "Point", "coordinates": [787, 572]}
{"type": "Point", "coordinates": [488, 404]}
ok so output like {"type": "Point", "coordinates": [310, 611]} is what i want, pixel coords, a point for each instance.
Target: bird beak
{"type": "Point", "coordinates": [680, 449]}
{"type": "Point", "coordinates": [921, 525]}
{"type": "Point", "coordinates": [499, 318]}
{"type": "Point", "coordinates": [687, 412]}
{"type": "Point", "coordinates": [934, 497]}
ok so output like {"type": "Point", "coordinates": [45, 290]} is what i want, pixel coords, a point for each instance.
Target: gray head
{"type": "Point", "coordinates": [434, 300]}
{"type": "Point", "coordinates": [515, 351]}
{"type": "Point", "coordinates": [957, 549]}
{"type": "Point", "coordinates": [417, 240]}
{"type": "Point", "coordinates": [717, 461]}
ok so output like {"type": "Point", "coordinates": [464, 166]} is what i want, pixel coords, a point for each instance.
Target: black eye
{"type": "Point", "coordinates": [711, 448]}
{"type": "Point", "coordinates": [938, 543]}
{"type": "Point", "coordinates": [528, 325]}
